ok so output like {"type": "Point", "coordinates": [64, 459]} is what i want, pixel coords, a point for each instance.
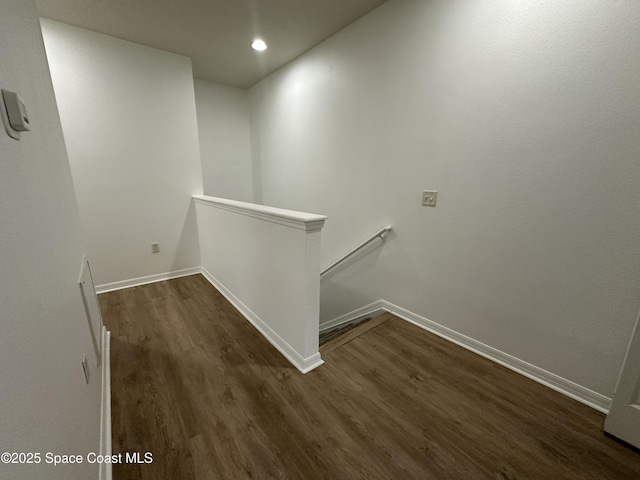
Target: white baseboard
{"type": "Point", "coordinates": [305, 365]}
{"type": "Point", "coordinates": [105, 472]}
{"type": "Point", "coordinates": [134, 282]}
{"type": "Point", "coordinates": [372, 310]}
{"type": "Point", "coordinates": [577, 392]}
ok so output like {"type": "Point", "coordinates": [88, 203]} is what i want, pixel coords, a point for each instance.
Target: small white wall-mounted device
{"type": "Point", "coordinates": [14, 113]}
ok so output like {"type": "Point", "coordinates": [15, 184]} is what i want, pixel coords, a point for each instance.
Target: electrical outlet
{"type": "Point", "coordinates": [429, 198]}
{"type": "Point", "coordinates": [155, 248]}
{"type": "Point", "coordinates": [85, 367]}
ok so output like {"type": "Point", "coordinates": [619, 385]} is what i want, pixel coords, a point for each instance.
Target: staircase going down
{"type": "Point", "coordinates": [343, 334]}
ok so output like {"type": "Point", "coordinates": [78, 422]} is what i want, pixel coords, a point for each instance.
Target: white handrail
{"type": "Point", "coordinates": [379, 233]}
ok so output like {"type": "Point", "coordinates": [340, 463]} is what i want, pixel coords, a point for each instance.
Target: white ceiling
{"type": "Point", "coordinates": [216, 34]}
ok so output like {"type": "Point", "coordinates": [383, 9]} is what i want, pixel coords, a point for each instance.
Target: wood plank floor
{"type": "Point", "coordinates": [195, 384]}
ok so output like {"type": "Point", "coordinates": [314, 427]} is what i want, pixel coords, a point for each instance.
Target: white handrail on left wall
{"type": "Point", "coordinates": [381, 233]}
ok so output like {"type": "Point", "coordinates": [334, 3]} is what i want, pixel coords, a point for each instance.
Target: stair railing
{"type": "Point", "coordinates": [379, 234]}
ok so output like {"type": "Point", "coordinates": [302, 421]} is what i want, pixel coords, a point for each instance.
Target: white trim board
{"type": "Point", "coordinates": [106, 438]}
{"type": "Point", "coordinates": [134, 282]}
{"type": "Point", "coordinates": [572, 390]}
{"type": "Point", "coordinates": [288, 218]}
{"type": "Point", "coordinates": [305, 365]}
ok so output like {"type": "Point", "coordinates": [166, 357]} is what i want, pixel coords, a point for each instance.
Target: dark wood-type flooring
{"type": "Point", "coordinates": [195, 384]}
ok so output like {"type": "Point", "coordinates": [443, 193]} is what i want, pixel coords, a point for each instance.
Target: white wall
{"type": "Point", "coordinates": [225, 149]}
{"type": "Point", "coordinates": [45, 404]}
{"type": "Point", "coordinates": [525, 117]}
{"type": "Point", "coordinates": [267, 262]}
{"type": "Point", "coordinates": [129, 120]}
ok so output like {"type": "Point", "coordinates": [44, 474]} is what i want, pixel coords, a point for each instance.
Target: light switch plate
{"type": "Point", "coordinates": [429, 198]}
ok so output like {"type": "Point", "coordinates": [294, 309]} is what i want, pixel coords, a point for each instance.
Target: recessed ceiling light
{"type": "Point", "coordinates": [258, 45]}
